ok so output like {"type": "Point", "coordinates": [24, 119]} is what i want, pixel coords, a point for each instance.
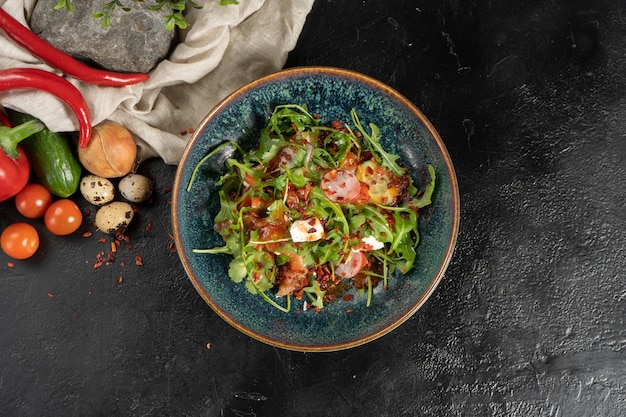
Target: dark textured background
{"type": "Point", "coordinates": [529, 319]}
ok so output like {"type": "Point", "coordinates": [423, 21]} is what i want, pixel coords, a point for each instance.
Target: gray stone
{"type": "Point", "coordinates": [136, 41]}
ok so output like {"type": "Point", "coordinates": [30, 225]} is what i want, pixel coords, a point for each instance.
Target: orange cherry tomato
{"type": "Point", "coordinates": [19, 240]}
{"type": "Point", "coordinates": [63, 217]}
{"type": "Point", "coordinates": [33, 200]}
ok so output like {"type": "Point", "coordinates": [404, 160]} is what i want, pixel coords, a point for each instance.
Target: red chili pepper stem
{"type": "Point", "coordinates": [11, 136]}
{"type": "Point", "coordinates": [32, 78]}
{"type": "Point", "coordinates": [43, 50]}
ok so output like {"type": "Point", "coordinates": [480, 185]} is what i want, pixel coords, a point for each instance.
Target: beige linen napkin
{"type": "Point", "coordinates": [225, 47]}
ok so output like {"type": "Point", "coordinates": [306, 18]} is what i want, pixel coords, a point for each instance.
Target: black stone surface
{"type": "Point", "coordinates": [529, 319]}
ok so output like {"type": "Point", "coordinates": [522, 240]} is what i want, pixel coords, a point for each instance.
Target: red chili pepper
{"type": "Point", "coordinates": [28, 40]}
{"type": "Point", "coordinates": [27, 78]}
{"type": "Point", "coordinates": [14, 166]}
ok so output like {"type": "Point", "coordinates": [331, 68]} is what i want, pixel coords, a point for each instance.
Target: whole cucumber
{"type": "Point", "coordinates": [52, 158]}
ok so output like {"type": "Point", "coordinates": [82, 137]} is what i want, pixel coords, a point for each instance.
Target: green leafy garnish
{"type": "Point", "coordinates": [302, 217]}
{"type": "Point", "coordinates": [387, 160]}
{"type": "Point", "coordinates": [174, 19]}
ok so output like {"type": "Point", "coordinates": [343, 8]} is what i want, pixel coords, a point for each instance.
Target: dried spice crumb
{"type": "Point", "coordinates": [208, 345]}
{"type": "Point", "coordinates": [171, 245]}
{"type": "Point", "coordinates": [10, 264]}
{"type": "Point", "coordinates": [120, 279]}
{"type": "Point", "coordinates": [138, 260]}
{"type": "Point", "coordinates": [113, 247]}
{"type": "Point", "coordinates": [102, 240]}
{"type": "Point", "coordinates": [87, 234]}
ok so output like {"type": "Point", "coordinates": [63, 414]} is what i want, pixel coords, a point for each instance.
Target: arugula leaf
{"type": "Point", "coordinates": [379, 225]}
{"type": "Point", "coordinates": [386, 159]}
{"type": "Point", "coordinates": [426, 198]}
{"type": "Point", "coordinates": [326, 209]}
{"type": "Point", "coordinates": [315, 294]}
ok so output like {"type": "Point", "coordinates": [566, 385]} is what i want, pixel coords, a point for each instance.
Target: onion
{"type": "Point", "coordinates": [111, 151]}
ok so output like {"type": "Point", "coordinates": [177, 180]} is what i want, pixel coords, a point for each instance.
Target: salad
{"type": "Point", "coordinates": [316, 212]}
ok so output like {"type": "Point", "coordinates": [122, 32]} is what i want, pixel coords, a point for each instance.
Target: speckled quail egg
{"type": "Point", "coordinates": [114, 217]}
{"type": "Point", "coordinates": [135, 188]}
{"type": "Point", "coordinates": [97, 190]}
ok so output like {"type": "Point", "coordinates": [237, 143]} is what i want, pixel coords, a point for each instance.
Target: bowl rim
{"type": "Point", "coordinates": [375, 84]}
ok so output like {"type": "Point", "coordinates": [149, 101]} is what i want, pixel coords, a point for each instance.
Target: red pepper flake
{"type": "Point", "coordinates": [208, 345]}
{"type": "Point", "coordinates": [10, 264]}
{"type": "Point", "coordinates": [349, 310]}
{"type": "Point", "coordinates": [75, 315]}
{"type": "Point", "coordinates": [191, 130]}
{"type": "Point", "coordinates": [50, 295]}
{"type": "Point", "coordinates": [183, 132]}
{"type": "Point", "coordinates": [138, 260]}
{"type": "Point", "coordinates": [87, 234]}
{"type": "Point", "coordinates": [168, 189]}
{"type": "Point", "coordinates": [102, 240]}
{"type": "Point", "coordinates": [122, 263]}
{"type": "Point", "coordinates": [348, 297]}
{"type": "Point", "coordinates": [113, 247]}
{"type": "Point", "coordinates": [120, 279]}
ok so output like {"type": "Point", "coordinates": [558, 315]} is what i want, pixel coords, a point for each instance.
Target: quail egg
{"type": "Point", "coordinates": [135, 188]}
{"type": "Point", "coordinates": [114, 217]}
{"type": "Point", "coordinates": [97, 190]}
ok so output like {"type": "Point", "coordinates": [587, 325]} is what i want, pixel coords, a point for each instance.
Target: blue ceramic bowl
{"type": "Point", "coordinates": [331, 93]}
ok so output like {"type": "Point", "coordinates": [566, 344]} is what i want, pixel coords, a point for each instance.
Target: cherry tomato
{"type": "Point", "coordinates": [63, 217]}
{"type": "Point", "coordinates": [19, 240]}
{"type": "Point", "coordinates": [33, 200]}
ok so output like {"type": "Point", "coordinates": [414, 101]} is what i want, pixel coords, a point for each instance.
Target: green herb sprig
{"type": "Point", "coordinates": [174, 19]}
